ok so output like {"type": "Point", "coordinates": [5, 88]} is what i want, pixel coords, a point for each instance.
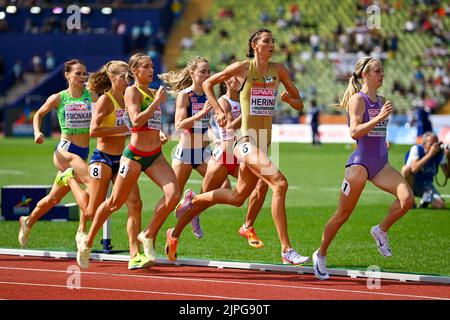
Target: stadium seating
{"type": "Point", "coordinates": [321, 17]}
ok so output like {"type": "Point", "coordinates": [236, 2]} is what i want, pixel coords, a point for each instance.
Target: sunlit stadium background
{"type": "Point", "coordinates": [318, 41]}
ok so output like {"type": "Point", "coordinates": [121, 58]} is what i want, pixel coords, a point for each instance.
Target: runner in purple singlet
{"type": "Point", "coordinates": [367, 119]}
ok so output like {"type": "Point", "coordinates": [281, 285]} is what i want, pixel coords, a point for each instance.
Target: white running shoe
{"type": "Point", "coordinates": [83, 254]}
{"type": "Point", "coordinates": [320, 266]}
{"type": "Point", "coordinates": [382, 241]}
{"type": "Point", "coordinates": [78, 238]}
{"type": "Point", "coordinates": [148, 246]}
{"type": "Point", "coordinates": [293, 257]}
{"type": "Point", "coordinates": [24, 231]}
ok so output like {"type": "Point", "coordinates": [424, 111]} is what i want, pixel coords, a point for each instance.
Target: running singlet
{"type": "Point", "coordinates": [75, 114]}
{"type": "Point", "coordinates": [371, 151]}
{"type": "Point", "coordinates": [117, 118]}
{"type": "Point", "coordinates": [258, 98]}
{"type": "Point", "coordinates": [228, 134]}
{"type": "Point", "coordinates": [154, 123]}
{"type": "Point", "coordinates": [196, 104]}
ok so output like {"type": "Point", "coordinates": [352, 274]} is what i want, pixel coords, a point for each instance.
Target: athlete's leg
{"type": "Point", "coordinates": [255, 202]}
{"type": "Point", "coordinates": [101, 177]}
{"type": "Point", "coordinates": [134, 205]}
{"type": "Point", "coordinates": [128, 176]}
{"type": "Point", "coordinates": [163, 175]}
{"type": "Point", "coordinates": [390, 180]}
{"type": "Point", "coordinates": [182, 172]}
{"type": "Point", "coordinates": [236, 197]}
{"type": "Point", "coordinates": [352, 186]}
{"type": "Point", "coordinates": [45, 204]}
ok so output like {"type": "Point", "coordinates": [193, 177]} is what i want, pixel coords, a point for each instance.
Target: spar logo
{"type": "Point", "coordinates": [263, 92]}
{"type": "Point", "coordinates": [76, 107]}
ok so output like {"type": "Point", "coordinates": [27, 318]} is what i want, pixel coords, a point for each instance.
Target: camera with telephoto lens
{"type": "Point", "coordinates": [444, 146]}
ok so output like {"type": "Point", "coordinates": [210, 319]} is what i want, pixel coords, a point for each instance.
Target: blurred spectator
{"type": "Point", "coordinates": [49, 61]}
{"type": "Point", "coordinates": [313, 120]}
{"type": "Point", "coordinates": [152, 52]}
{"type": "Point", "coordinates": [187, 43]}
{"type": "Point", "coordinates": [36, 64]}
{"type": "Point", "coordinates": [264, 17]}
{"type": "Point", "coordinates": [122, 28]}
{"type": "Point", "coordinates": [18, 71]}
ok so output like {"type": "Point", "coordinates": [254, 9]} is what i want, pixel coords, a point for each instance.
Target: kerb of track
{"type": "Point", "coordinates": [403, 277]}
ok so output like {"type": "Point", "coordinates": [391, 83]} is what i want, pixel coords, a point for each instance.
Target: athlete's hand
{"type": "Point", "coordinates": [163, 137]}
{"type": "Point", "coordinates": [220, 119]}
{"type": "Point", "coordinates": [38, 137]}
{"type": "Point", "coordinates": [386, 110]}
{"type": "Point", "coordinates": [161, 95]}
{"type": "Point", "coordinates": [286, 97]}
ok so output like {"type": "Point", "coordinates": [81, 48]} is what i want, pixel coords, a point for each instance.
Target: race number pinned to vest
{"type": "Point", "coordinates": [95, 171]}
{"type": "Point", "coordinates": [262, 101]}
{"type": "Point", "coordinates": [154, 122]}
{"type": "Point", "coordinates": [380, 129]}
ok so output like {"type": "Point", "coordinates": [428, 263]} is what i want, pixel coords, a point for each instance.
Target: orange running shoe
{"type": "Point", "coordinates": [171, 245]}
{"type": "Point", "coordinates": [250, 235]}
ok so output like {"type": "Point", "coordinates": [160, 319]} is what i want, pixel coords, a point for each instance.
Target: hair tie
{"type": "Point", "coordinates": [355, 75]}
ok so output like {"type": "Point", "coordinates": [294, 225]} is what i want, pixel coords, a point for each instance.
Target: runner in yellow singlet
{"type": "Point", "coordinates": [258, 96]}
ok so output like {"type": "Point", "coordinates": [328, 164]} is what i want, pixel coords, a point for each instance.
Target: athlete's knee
{"type": "Point", "coordinates": [237, 199]}
{"type": "Point", "coordinates": [407, 201]}
{"type": "Point", "coordinates": [135, 205]}
{"type": "Point", "coordinates": [281, 185]}
{"type": "Point", "coordinates": [172, 198]}
{"type": "Point", "coordinates": [341, 216]}
{"type": "Point", "coordinates": [52, 200]}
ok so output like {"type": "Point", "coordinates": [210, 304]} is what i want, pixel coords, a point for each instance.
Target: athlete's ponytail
{"type": "Point", "coordinates": [100, 81]}
{"type": "Point", "coordinates": [253, 38]}
{"type": "Point", "coordinates": [180, 80]}
{"type": "Point", "coordinates": [355, 81]}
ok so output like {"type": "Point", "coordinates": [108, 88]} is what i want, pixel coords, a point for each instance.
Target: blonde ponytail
{"type": "Point", "coordinates": [177, 81]}
{"type": "Point", "coordinates": [100, 82]}
{"type": "Point", "coordinates": [355, 81]}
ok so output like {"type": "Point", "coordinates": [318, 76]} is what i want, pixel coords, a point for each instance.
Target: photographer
{"type": "Point", "coordinates": [421, 166]}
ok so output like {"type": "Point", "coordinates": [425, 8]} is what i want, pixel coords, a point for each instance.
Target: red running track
{"type": "Point", "coordinates": [49, 278]}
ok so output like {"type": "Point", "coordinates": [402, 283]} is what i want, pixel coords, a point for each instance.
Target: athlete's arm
{"type": "Point", "coordinates": [104, 107]}
{"type": "Point", "coordinates": [182, 121]}
{"type": "Point", "coordinates": [226, 108]}
{"type": "Point", "coordinates": [133, 104]}
{"type": "Point", "coordinates": [238, 69]}
{"type": "Point", "coordinates": [356, 109]}
{"type": "Point", "coordinates": [51, 103]}
{"type": "Point", "coordinates": [292, 96]}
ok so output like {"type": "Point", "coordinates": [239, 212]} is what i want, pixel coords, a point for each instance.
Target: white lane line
{"type": "Point", "coordinates": [245, 283]}
{"type": "Point", "coordinates": [124, 290]}
{"type": "Point", "coordinates": [12, 172]}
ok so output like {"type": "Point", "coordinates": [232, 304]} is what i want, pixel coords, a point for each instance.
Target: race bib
{"type": "Point", "coordinates": [245, 149]}
{"type": "Point", "coordinates": [123, 169]}
{"type": "Point", "coordinates": [95, 171]}
{"type": "Point", "coordinates": [217, 153]}
{"type": "Point", "coordinates": [204, 121]}
{"type": "Point", "coordinates": [154, 122]}
{"type": "Point", "coordinates": [262, 101]}
{"type": "Point", "coordinates": [380, 129]}
{"type": "Point", "coordinates": [179, 152]}
{"type": "Point", "coordinates": [64, 145]}
{"type": "Point", "coordinates": [78, 115]}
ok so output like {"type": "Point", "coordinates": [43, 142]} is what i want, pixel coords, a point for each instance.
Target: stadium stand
{"type": "Point", "coordinates": [41, 35]}
{"type": "Point", "coordinates": [320, 41]}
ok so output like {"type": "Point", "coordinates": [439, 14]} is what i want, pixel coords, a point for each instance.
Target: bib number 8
{"type": "Point", "coordinates": [95, 171]}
